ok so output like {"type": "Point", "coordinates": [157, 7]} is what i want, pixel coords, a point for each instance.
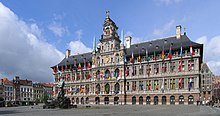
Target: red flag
{"type": "Point", "coordinates": [180, 83]}
{"type": "Point", "coordinates": [89, 66]}
{"type": "Point", "coordinates": [62, 69]}
{"type": "Point", "coordinates": [180, 66]}
{"type": "Point", "coordinates": [55, 69]}
{"type": "Point", "coordinates": [170, 53]}
{"type": "Point", "coordinates": [191, 50]}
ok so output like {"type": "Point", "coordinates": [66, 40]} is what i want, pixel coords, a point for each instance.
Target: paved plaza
{"type": "Point", "coordinates": [112, 110]}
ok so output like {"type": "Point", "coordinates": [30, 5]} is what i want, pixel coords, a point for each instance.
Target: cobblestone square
{"type": "Point", "coordinates": [114, 110]}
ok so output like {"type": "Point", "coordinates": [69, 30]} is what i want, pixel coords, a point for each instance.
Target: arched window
{"type": "Point", "coordinates": [98, 75]}
{"type": "Point", "coordinates": [116, 72]}
{"type": "Point", "coordinates": [190, 99]}
{"type": "Point", "coordinates": [107, 88]}
{"type": "Point", "coordinates": [141, 100]}
{"type": "Point", "coordinates": [181, 99]}
{"type": "Point", "coordinates": [117, 88]}
{"type": "Point", "coordinates": [107, 75]}
{"type": "Point", "coordinates": [97, 91]}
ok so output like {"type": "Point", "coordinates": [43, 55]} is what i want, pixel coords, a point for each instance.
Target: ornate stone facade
{"type": "Point", "coordinates": [162, 71]}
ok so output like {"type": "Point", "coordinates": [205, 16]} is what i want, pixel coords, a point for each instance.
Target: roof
{"type": "Point", "coordinates": [25, 82]}
{"type": "Point", "coordinates": [47, 85]}
{"type": "Point", "coordinates": [5, 81]}
{"type": "Point", "coordinates": [159, 44]}
{"type": "Point", "coordinates": [154, 45]}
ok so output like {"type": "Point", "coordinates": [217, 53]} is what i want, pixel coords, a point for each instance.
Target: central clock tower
{"type": "Point", "coordinates": [109, 51]}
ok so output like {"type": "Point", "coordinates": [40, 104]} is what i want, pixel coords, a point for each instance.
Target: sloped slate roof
{"type": "Point", "coordinates": [78, 58]}
{"type": "Point", "coordinates": [154, 45]}
{"type": "Point", "coordinates": [159, 44]}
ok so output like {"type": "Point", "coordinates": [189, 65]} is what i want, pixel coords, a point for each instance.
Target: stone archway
{"type": "Point", "coordinates": [155, 100]}
{"type": "Point", "coordinates": [73, 100]}
{"type": "Point", "coordinates": [82, 100]}
{"type": "Point", "coordinates": [116, 100]}
{"type": "Point", "coordinates": [97, 100]}
{"type": "Point", "coordinates": [172, 99]}
{"type": "Point", "coordinates": [190, 99]}
{"type": "Point", "coordinates": [181, 99]}
{"type": "Point", "coordinates": [148, 100]}
{"type": "Point", "coordinates": [133, 100]}
{"type": "Point", "coordinates": [106, 100]}
{"type": "Point", "coordinates": [164, 100]}
{"type": "Point", "coordinates": [77, 100]}
{"type": "Point", "coordinates": [87, 100]}
{"type": "Point", "coordinates": [141, 100]}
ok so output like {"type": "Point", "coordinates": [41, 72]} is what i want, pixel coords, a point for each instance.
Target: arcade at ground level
{"type": "Point", "coordinates": [138, 99]}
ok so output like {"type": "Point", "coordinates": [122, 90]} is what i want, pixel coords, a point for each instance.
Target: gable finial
{"type": "Point", "coordinates": [107, 14]}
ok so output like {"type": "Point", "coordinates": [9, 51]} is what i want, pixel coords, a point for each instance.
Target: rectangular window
{"type": "Point", "coordinates": [172, 67]}
{"type": "Point", "coordinates": [164, 67]}
{"type": "Point", "coordinates": [156, 68]}
{"type": "Point", "coordinates": [156, 85]}
{"type": "Point", "coordinates": [134, 86]}
{"type": "Point", "coordinates": [141, 88]}
{"type": "Point", "coordinates": [141, 70]}
{"type": "Point", "coordinates": [128, 86]}
{"type": "Point", "coordinates": [148, 69]}
{"type": "Point", "coordinates": [148, 85]}
{"type": "Point", "coordinates": [172, 84]}
{"type": "Point", "coordinates": [190, 65]}
{"type": "Point", "coordinates": [135, 70]}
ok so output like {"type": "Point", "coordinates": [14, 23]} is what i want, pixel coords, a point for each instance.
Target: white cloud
{"type": "Point", "coordinates": [58, 29]}
{"type": "Point", "coordinates": [167, 2]}
{"type": "Point", "coordinates": [211, 52]}
{"type": "Point", "coordinates": [22, 52]}
{"type": "Point", "coordinates": [165, 29]}
{"type": "Point", "coordinates": [78, 47]}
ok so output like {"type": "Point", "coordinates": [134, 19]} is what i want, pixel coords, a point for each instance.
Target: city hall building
{"type": "Point", "coordinates": [161, 71]}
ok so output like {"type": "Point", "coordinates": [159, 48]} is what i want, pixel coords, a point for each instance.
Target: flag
{"type": "Point", "coordinates": [75, 67]}
{"type": "Point", "coordinates": [66, 77]}
{"type": "Point", "coordinates": [180, 66]}
{"type": "Point", "coordinates": [155, 56]}
{"type": "Point", "coordinates": [162, 54]}
{"type": "Point", "coordinates": [139, 56]}
{"type": "Point", "coordinates": [55, 69]}
{"type": "Point", "coordinates": [62, 68]}
{"type": "Point", "coordinates": [190, 83]}
{"type": "Point", "coordinates": [79, 66]}
{"type": "Point", "coordinates": [170, 53]}
{"type": "Point", "coordinates": [125, 60]}
{"type": "Point", "coordinates": [162, 85]}
{"type": "Point", "coordinates": [191, 50]}
{"type": "Point", "coordinates": [180, 83]}
{"type": "Point", "coordinates": [181, 51]}
{"type": "Point", "coordinates": [190, 65]}
{"type": "Point", "coordinates": [147, 58]}
{"type": "Point", "coordinates": [132, 57]}
{"type": "Point", "coordinates": [84, 61]}
{"type": "Point", "coordinates": [85, 89]}
{"type": "Point", "coordinates": [89, 65]}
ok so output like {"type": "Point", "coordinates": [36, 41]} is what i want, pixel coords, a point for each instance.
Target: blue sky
{"type": "Point", "coordinates": [65, 24]}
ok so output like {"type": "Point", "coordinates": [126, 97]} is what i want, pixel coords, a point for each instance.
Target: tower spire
{"type": "Point", "coordinates": [107, 14]}
{"type": "Point", "coordinates": [122, 37]}
{"type": "Point", "coordinates": [94, 44]}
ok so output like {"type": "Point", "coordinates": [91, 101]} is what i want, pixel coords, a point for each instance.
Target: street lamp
{"type": "Point", "coordinates": [125, 61]}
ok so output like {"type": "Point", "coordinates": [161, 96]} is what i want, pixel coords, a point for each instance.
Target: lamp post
{"type": "Point", "coordinates": [125, 95]}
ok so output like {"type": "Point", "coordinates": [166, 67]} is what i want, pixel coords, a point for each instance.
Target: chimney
{"type": "Point", "coordinates": [128, 41]}
{"type": "Point", "coordinates": [178, 32]}
{"type": "Point", "coordinates": [67, 53]}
